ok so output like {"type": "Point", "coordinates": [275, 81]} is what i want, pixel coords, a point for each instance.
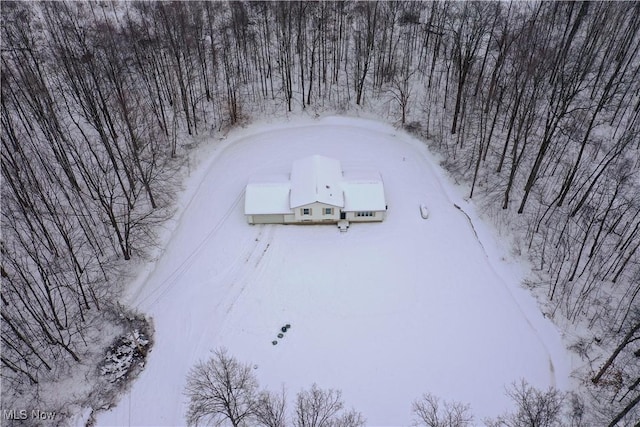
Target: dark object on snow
{"type": "Point", "coordinates": [280, 335]}
{"type": "Point", "coordinates": [274, 342]}
{"type": "Point", "coordinates": [283, 329]}
{"type": "Point", "coordinates": [424, 211]}
{"type": "Point", "coordinates": [287, 326]}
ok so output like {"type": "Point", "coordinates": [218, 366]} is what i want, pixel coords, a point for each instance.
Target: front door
{"type": "Point", "coordinates": [343, 215]}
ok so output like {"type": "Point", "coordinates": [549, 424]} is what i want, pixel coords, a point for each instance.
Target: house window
{"type": "Point", "coordinates": [365, 213]}
{"type": "Point", "coordinates": [328, 211]}
{"type": "Point", "coordinates": [306, 211]}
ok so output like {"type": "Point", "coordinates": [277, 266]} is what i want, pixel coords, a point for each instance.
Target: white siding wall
{"type": "Point", "coordinates": [317, 213]}
{"type": "Point", "coordinates": [377, 216]}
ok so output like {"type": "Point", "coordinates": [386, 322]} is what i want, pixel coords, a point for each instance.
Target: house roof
{"type": "Point", "coordinates": [267, 198]}
{"type": "Point", "coordinates": [316, 179]}
{"type": "Point", "coordinates": [363, 191]}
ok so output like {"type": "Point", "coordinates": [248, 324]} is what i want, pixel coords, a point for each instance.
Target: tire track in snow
{"type": "Point", "coordinates": [552, 370]}
{"type": "Point", "coordinates": [200, 172]}
{"type": "Point", "coordinates": [260, 249]}
{"type": "Point", "coordinates": [240, 274]}
{"type": "Point", "coordinates": [422, 150]}
{"type": "Point", "coordinates": [167, 284]}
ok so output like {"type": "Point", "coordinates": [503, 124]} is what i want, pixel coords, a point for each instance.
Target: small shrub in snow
{"type": "Point", "coordinates": [414, 128]}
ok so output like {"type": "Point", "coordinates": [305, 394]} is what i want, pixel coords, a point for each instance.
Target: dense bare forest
{"type": "Point", "coordinates": [534, 105]}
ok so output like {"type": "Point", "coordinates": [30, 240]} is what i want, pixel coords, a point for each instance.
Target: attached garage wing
{"type": "Point", "coordinates": [267, 219]}
{"type": "Point", "coordinates": [267, 203]}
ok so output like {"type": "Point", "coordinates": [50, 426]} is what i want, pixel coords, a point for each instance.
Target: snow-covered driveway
{"type": "Point", "coordinates": [384, 312]}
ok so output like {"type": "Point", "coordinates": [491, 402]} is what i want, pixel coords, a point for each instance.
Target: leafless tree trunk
{"type": "Point", "coordinates": [221, 388]}
{"type": "Point", "coordinates": [323, 408]}
{"type": "Point", "coordinates": [428, 412]}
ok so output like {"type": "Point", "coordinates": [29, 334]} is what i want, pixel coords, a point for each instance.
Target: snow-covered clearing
{"type": "Point", "coordinates": [383, 312]}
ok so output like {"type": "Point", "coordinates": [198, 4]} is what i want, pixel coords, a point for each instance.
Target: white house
{"type": "Point", "coordinates": [317, 192]}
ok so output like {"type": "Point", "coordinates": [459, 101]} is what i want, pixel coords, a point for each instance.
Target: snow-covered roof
{"type": "Point", "coordinates": [363, 191]}
{"type": "Point", "coordinates": [316, 179]}
{"type": "Point", "coordinates": [267, 198]}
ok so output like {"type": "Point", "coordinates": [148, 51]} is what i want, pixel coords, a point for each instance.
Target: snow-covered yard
{"type": "Point", "coordinates": [383, 312]}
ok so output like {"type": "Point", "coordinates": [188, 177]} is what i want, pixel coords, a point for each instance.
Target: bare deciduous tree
{"type": "Point", "coordinates": [535, 408]}
{"type": "Point", "coordinates": [271, 409]}
{"type": "Point", "coordinates": [428, 412]}
{"type": "Point", "coordinates": [221, 388]}
{"type": "Point", "coordinates": [322, 408]}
